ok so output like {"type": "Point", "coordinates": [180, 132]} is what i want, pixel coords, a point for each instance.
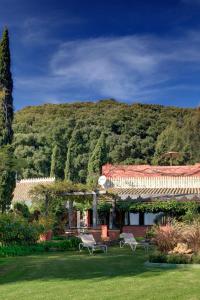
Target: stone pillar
{"type": "Point", "coordinates": [112, 217]}
{"type": "Point", "coordinates": [94, 208]}
{"type": "Point", "coordinates": [78, 220]}
{"type": "Point", "coordinates": [85, 219]}
{"type": "Point", "coordinates": [126, 218]}
{"type": "Point", "coordinates": [70, 213]}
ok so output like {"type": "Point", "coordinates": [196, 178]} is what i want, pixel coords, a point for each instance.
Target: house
{"type": "Point", "coordinates": [145, 183]}
{"type": "Point", "coordinates": [128, 184]}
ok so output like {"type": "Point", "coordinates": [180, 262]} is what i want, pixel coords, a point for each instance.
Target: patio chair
{"type": "Point", "coordinates": [88, 241]}
{"type": "Point", "coordinates": [128, 239]}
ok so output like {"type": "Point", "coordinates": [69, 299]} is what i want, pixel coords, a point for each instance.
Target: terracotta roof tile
{"type": "Point", "coordinates": [115, 171]}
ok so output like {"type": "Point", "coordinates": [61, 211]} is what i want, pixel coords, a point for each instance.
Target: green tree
{"type": "Point", "coordinates": [77, 154]}
{"type": "Point", "coordinates": [7, 174]}
{"type": "Point", "coordinates": [56, 163]}
{"type": "Point", "coordinates": [133, 135]}
{"type": "Point", "coordinates": [191, 135]}
{"type": "Point", "coordinates": [6, 87]}
{"type": "Point", "coordinates": [171, 139]}
{"type": "Point", "coordinates": [70, 172]}
{"type": "Point", "coordinates": [7, 177]}
{"type": "Point", "coordinates": [58, 156]}
{"type": "Point", "coordinates": [97, 159]}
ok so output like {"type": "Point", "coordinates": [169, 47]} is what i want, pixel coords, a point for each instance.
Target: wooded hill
{"type": "Point", "coordinates": [73, 140]}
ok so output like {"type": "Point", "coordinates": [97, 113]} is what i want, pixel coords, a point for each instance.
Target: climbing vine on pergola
{"type": "Point", "coordinates": [155, 206]}
{"type": "Point", "coordinates": [79, 196]}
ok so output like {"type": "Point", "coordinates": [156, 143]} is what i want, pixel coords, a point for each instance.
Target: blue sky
{"type": "Point", "coordinates": [134, 51]}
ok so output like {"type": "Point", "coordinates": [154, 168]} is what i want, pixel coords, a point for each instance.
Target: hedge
{"type": "Point", "coordinates": [19, 250]}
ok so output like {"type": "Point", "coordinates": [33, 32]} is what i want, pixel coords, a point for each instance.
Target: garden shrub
{"type": "Point", "coordinates": [21, 250]}
{"type": "Point", "coordinates": [58, 238]}
{"type": "Point", "coordinates": [61, 217]}
{"type": "Point", "coordinates": [16, 230]}
{"type": "Point", "coordinates": [158, 257]}
{"type": "Point", "coordinates": [62, 245]}
{"type": "Point", "coordinates": [46, 222]}
{"type": "Point", "coordinates": [196, 259]}
{"type": "Point", "coordinates": [17, 250]}
{"type": "Point", "coordinates": [171, 258]}
{"type": "Point", "coordinates": [22, 208]}
{"type": "Point", "coordinates": [179, 259]}
{"type": "Point", "coordinates": [150, 233]}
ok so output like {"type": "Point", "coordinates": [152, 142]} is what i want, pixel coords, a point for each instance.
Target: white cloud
{"type": "Point", "coordinates": [124, 67]}
{"type": "Point", "coordinates": [127, 68]}
{"type": "Point", "coordinates": [37, 31]}
{"type": "Point", "coordinates": [114, 67]}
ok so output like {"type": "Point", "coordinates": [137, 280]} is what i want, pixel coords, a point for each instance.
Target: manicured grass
{"type": "Point", "coordinates": [117, 275]}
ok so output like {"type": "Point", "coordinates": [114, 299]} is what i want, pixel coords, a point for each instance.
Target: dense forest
{"type": "Point", "coordinates": [72, 141]}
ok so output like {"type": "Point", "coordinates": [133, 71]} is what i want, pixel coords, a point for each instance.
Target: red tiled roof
{"type": "Point", "coordinates": [115, 171]}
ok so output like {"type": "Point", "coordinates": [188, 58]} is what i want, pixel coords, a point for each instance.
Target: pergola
{"type": "Point", "coordinates": [48, 191]}
{"type": "Point", "coordinates": [94, 195]}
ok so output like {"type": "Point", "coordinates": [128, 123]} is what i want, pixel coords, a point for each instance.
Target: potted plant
{"type": "Point", "coordinates": [47, 223]}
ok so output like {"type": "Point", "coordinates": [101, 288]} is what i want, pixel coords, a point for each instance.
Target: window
{"type": "Point", "coordinates": [149, 218]}
{"type": "Point", "coordinates": [134, 218]}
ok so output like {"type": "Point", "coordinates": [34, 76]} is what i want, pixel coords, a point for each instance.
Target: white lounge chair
{"type": "Point", "coordinates": [128, 239]}
{"type": "Point", "coordinates": [89, 242]}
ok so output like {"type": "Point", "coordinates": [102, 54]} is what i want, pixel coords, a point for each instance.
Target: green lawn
{"type": "Point", "coordinates": [117, 275]}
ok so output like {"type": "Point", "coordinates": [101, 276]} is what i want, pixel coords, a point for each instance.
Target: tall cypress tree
{"type": "Point", "coordinates": [58, 155]}
{"type": "Point", "coordinates": [54, 157]}
{"type": "Point", "coordinates": [6, 87]}
{"type": "Point", "coordinates": [97, 159]}
{"type": "Point", "coordinates": [75, 149]}
{"type": "Point", "coordinates": [57, 162]}
{"type": "Point", "coordinates": [70, 170]}
{"type": "Point", "coordinates": [7, 175]}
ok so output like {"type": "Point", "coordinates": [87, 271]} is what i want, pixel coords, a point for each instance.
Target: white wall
{"type": "Point", "coordinates": [155, 182]}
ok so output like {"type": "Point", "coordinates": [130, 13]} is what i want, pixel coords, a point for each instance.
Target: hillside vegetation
{"type": "Point", "coordinates": [74, 140]}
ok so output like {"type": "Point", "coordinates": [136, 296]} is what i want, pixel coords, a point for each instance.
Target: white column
{"type": "Point", "coordinates": [78, 220]}
{"type": "Point", "coordinates": [70, 212]}
{"type": "Point", "coordinates": [94, 209]}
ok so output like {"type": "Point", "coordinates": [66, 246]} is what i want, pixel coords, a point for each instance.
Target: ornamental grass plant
{"type": "Point", "coordinates": [190, 234]}
{"type": "Point", "coordinates": [166, 237]}
{"type": "Point", "coordinates": [177, 242]}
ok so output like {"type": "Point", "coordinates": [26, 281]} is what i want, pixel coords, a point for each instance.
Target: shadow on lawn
{"type": "Point", "coordinates": [77, 266]}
